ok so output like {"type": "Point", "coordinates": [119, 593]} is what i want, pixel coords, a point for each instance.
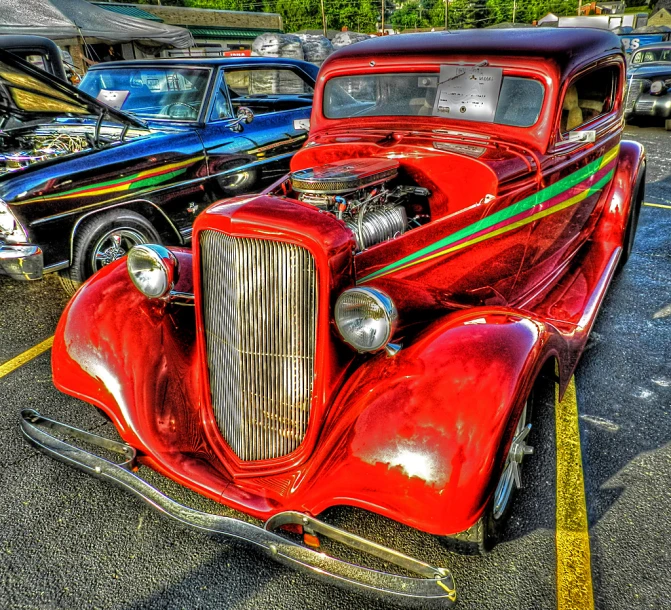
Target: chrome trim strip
{"type": "Point", "coordinates": [180, 298]}
{"type": "Point", "coordinates": [434, 588]}
{"type": "Point", "coordinates": [56, 267]}
{"type": "Point", "coordinates": [109, 207]}
{"type": "Point", "coordinates": [103, 205]}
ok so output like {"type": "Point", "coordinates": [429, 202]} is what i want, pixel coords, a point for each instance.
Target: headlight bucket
{"type": "Point", "coordinates": [366, 318]}
{"type": "Point", "coordinates": [10, 229]}
{"type": "Point", "coordinates": [657, 87]}
{"type": "Point", "coordinates": [153, 269]}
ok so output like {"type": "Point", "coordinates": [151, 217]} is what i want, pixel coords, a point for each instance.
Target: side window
{"type": "Point", "coordinates": [221, 107]}
{"type": "Point", "coordinates": [267, 89]}
{"type": "Point", "coordinates": [588, 97]}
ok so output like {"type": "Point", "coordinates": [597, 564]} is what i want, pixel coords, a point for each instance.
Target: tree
{"type": "Point", "coordinates": [478, 14]}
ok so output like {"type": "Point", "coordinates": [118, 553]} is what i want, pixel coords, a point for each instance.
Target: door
{"type": "Point", "coordinates": [578, 175]}
{"type": "Point", "coordinates": [250, 156]}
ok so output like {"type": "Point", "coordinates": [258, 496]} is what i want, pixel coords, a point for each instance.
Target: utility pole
{"type": "Point", "coordinates": [447, 14]}
{"type": "Point", "coordinates": [579, 7]}
{"type": "Point", "coordinates": [323, 19]}
{"type": "Point", "coordinates": [383, 8]}
{"type": "Point", "coordinates": [514, 10]}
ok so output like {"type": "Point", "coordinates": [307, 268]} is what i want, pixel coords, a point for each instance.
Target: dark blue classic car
{"type": "Point", "coordinates": [649, 83]}
{"type": "Point", "coordinates": [134, 154]}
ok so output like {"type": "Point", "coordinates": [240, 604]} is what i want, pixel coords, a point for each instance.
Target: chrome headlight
{"type": "Point", "coordinates": [153, 269]}
{"type": "Point", "coordinates": [10, 230]}
{"type": "Point", "coordinates": [657, 87]}
{"type": "Point", "coordinates": [366, 318]}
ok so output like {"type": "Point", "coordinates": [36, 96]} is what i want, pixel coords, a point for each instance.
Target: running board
{"type": "Point", "coordinates": [434, 587]}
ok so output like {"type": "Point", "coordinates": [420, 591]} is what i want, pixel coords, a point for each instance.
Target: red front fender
{"type": "Point", "coordinates": [422, 437]}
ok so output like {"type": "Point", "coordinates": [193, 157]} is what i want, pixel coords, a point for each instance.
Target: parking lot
{"type": "Point", "coordinates": [70, 541]}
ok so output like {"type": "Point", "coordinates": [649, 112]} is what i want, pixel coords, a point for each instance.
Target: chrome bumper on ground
{"type": "Point", "coordinates": [434, 587]}
{"type": "Point", "coordinates": [21, 262]}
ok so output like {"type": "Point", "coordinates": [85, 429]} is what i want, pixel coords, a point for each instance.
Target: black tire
{"type": "Point", "coordinates": [118, 229]}
{"type": "Point", "coordinates": [632, 222]}
{"type": "Point", "coordinates": [480, 538]}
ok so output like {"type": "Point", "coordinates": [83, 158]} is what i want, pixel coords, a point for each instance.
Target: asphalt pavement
{"type": "Point", "coordinates": [69, 541]}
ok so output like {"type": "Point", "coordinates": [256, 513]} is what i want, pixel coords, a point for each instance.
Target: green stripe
{"type": "Point", "coordinates": [96, 186]}
{"type": "Point", "coordinates": [154, 180]}
{"type": "Point", "coordinates": [521, 206]}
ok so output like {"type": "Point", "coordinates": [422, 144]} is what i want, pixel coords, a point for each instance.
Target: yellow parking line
{"type": "Point", "coordinates": [574, 572]}
{"type": "Point", "coordinates": [27, 356]}
{"type": "Point", "coordinates": [658, 205]}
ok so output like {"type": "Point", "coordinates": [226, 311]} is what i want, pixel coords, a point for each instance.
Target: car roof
{"type": "Point", "coordinates": [653, 46]}
{"type": "Point", "coordinates": [200, 61]}
{"type": "Point", "coordinates": [569, 47]}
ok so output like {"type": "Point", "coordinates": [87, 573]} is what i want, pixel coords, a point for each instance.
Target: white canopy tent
{"type": "Point", "coordinates": [60, 19]}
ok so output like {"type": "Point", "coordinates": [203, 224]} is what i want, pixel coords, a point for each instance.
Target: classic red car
{"type": "Point", "coordinates": [367, 332]}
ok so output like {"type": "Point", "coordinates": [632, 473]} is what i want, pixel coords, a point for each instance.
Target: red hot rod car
{"type": "Point", "coordinates": [367, 332]}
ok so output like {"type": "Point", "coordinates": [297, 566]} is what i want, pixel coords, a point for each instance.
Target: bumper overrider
{"type": "Point", "coordinates": [433, 587]}
{"type": "Point", "coordinates": [21, 261]}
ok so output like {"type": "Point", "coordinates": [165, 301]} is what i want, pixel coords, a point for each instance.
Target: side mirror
{"type": "Point", "coordinates": [245, 115]}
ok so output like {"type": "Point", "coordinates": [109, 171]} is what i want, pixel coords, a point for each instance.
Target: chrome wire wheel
{"type": "Point", "coordinates": [114, 245]}
{"type": "Point", "coordinates": [511, 478]}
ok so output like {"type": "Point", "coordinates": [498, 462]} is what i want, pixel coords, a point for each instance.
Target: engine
{"type": "Point", "coordinates": [364, 194]}
{"type": "Point", "coordinates": [23, 150]}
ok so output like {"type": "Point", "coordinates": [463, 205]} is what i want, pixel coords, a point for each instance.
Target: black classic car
{"type": "Point", "coordinates": [649, 83]}
{"type": "Point", "coordinates": [135, 153]}
{"type": "Point", "coordinates": [37, 50]}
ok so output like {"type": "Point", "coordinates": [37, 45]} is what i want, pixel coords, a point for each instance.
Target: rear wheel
{"type": "Point", "coordinates": [102, 240]}
{"type": "Point", "coordinates": [485, 533]}
{"type": "Point", "coordinates": [632, 221]}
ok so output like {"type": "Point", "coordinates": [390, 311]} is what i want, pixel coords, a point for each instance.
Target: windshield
{"type": "Point", "coordinates": [648, 56]}
{"type": "Point", "coordinates": [464, 93]}
{"type": "Point", "coordinates": [151, 92]}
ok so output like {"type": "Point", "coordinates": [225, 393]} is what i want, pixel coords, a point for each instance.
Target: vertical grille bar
{"type": "Point", "coordinates": [260, 312]}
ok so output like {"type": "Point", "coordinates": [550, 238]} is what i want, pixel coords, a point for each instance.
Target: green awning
{"type": "Point", "coordinates": [129, 11]}
{"type": "Point", "coordinates": [219, 33]}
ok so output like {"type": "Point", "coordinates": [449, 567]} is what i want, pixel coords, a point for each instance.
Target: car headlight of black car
{"type": "Point", "coordinates": [10, 229]}
{"type": "Point", "coordinates": [659, 87]}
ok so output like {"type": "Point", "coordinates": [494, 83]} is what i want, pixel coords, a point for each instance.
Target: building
{"type": "Point", "coordinates": [214, 31]}
{"type": "Point", "coordinates": [603, 8]}
{"type": "Point", "coordinates": [660, 17]}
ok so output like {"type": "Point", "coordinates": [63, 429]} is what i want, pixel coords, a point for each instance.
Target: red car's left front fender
{"type": "Point", "coordinates": [422, 437]}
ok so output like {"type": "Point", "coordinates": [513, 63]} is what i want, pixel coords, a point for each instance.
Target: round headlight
{"type": "Point", "coordinates": [657, 87]}
{"type": "Point", "coordinates": [366, 318]}
{"type": "Point", "coordinates": [153, 269]}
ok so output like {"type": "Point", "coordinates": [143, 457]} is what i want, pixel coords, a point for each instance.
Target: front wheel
{"type": "Point", "coordinates": [485, 533]}
{"type": "Point", "coordinates": [103, 239]}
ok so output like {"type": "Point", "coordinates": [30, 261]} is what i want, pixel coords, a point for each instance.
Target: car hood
{"type": "Point", "coordinates": [651, 70]}
{"type": "Point", "coordinates": [28, 93]}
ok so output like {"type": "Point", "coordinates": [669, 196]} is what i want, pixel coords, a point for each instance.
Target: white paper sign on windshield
{"type": "Point", "coordinates": [470, 93]}
{"type": "Point", "coordinates": [112, 98]}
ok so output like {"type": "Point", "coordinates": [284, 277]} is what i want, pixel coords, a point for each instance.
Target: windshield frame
{"type": "Point", "coordinates": [205, 103]}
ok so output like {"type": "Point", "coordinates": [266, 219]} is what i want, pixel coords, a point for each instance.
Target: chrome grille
{"type": "Point", "coordinates": [260, 312]}
{"type": "Point", "coordinates": [633, 90]}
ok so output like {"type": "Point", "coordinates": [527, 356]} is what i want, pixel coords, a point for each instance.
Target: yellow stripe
{"type": "Point", "coordinates": [609, 156]}
{"type": "Point", "coordinates": [658, 205]}
{"type": "Point", "coordinates": [27, 356]}
{"type": "Point", "coordinates": [574, 572]}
